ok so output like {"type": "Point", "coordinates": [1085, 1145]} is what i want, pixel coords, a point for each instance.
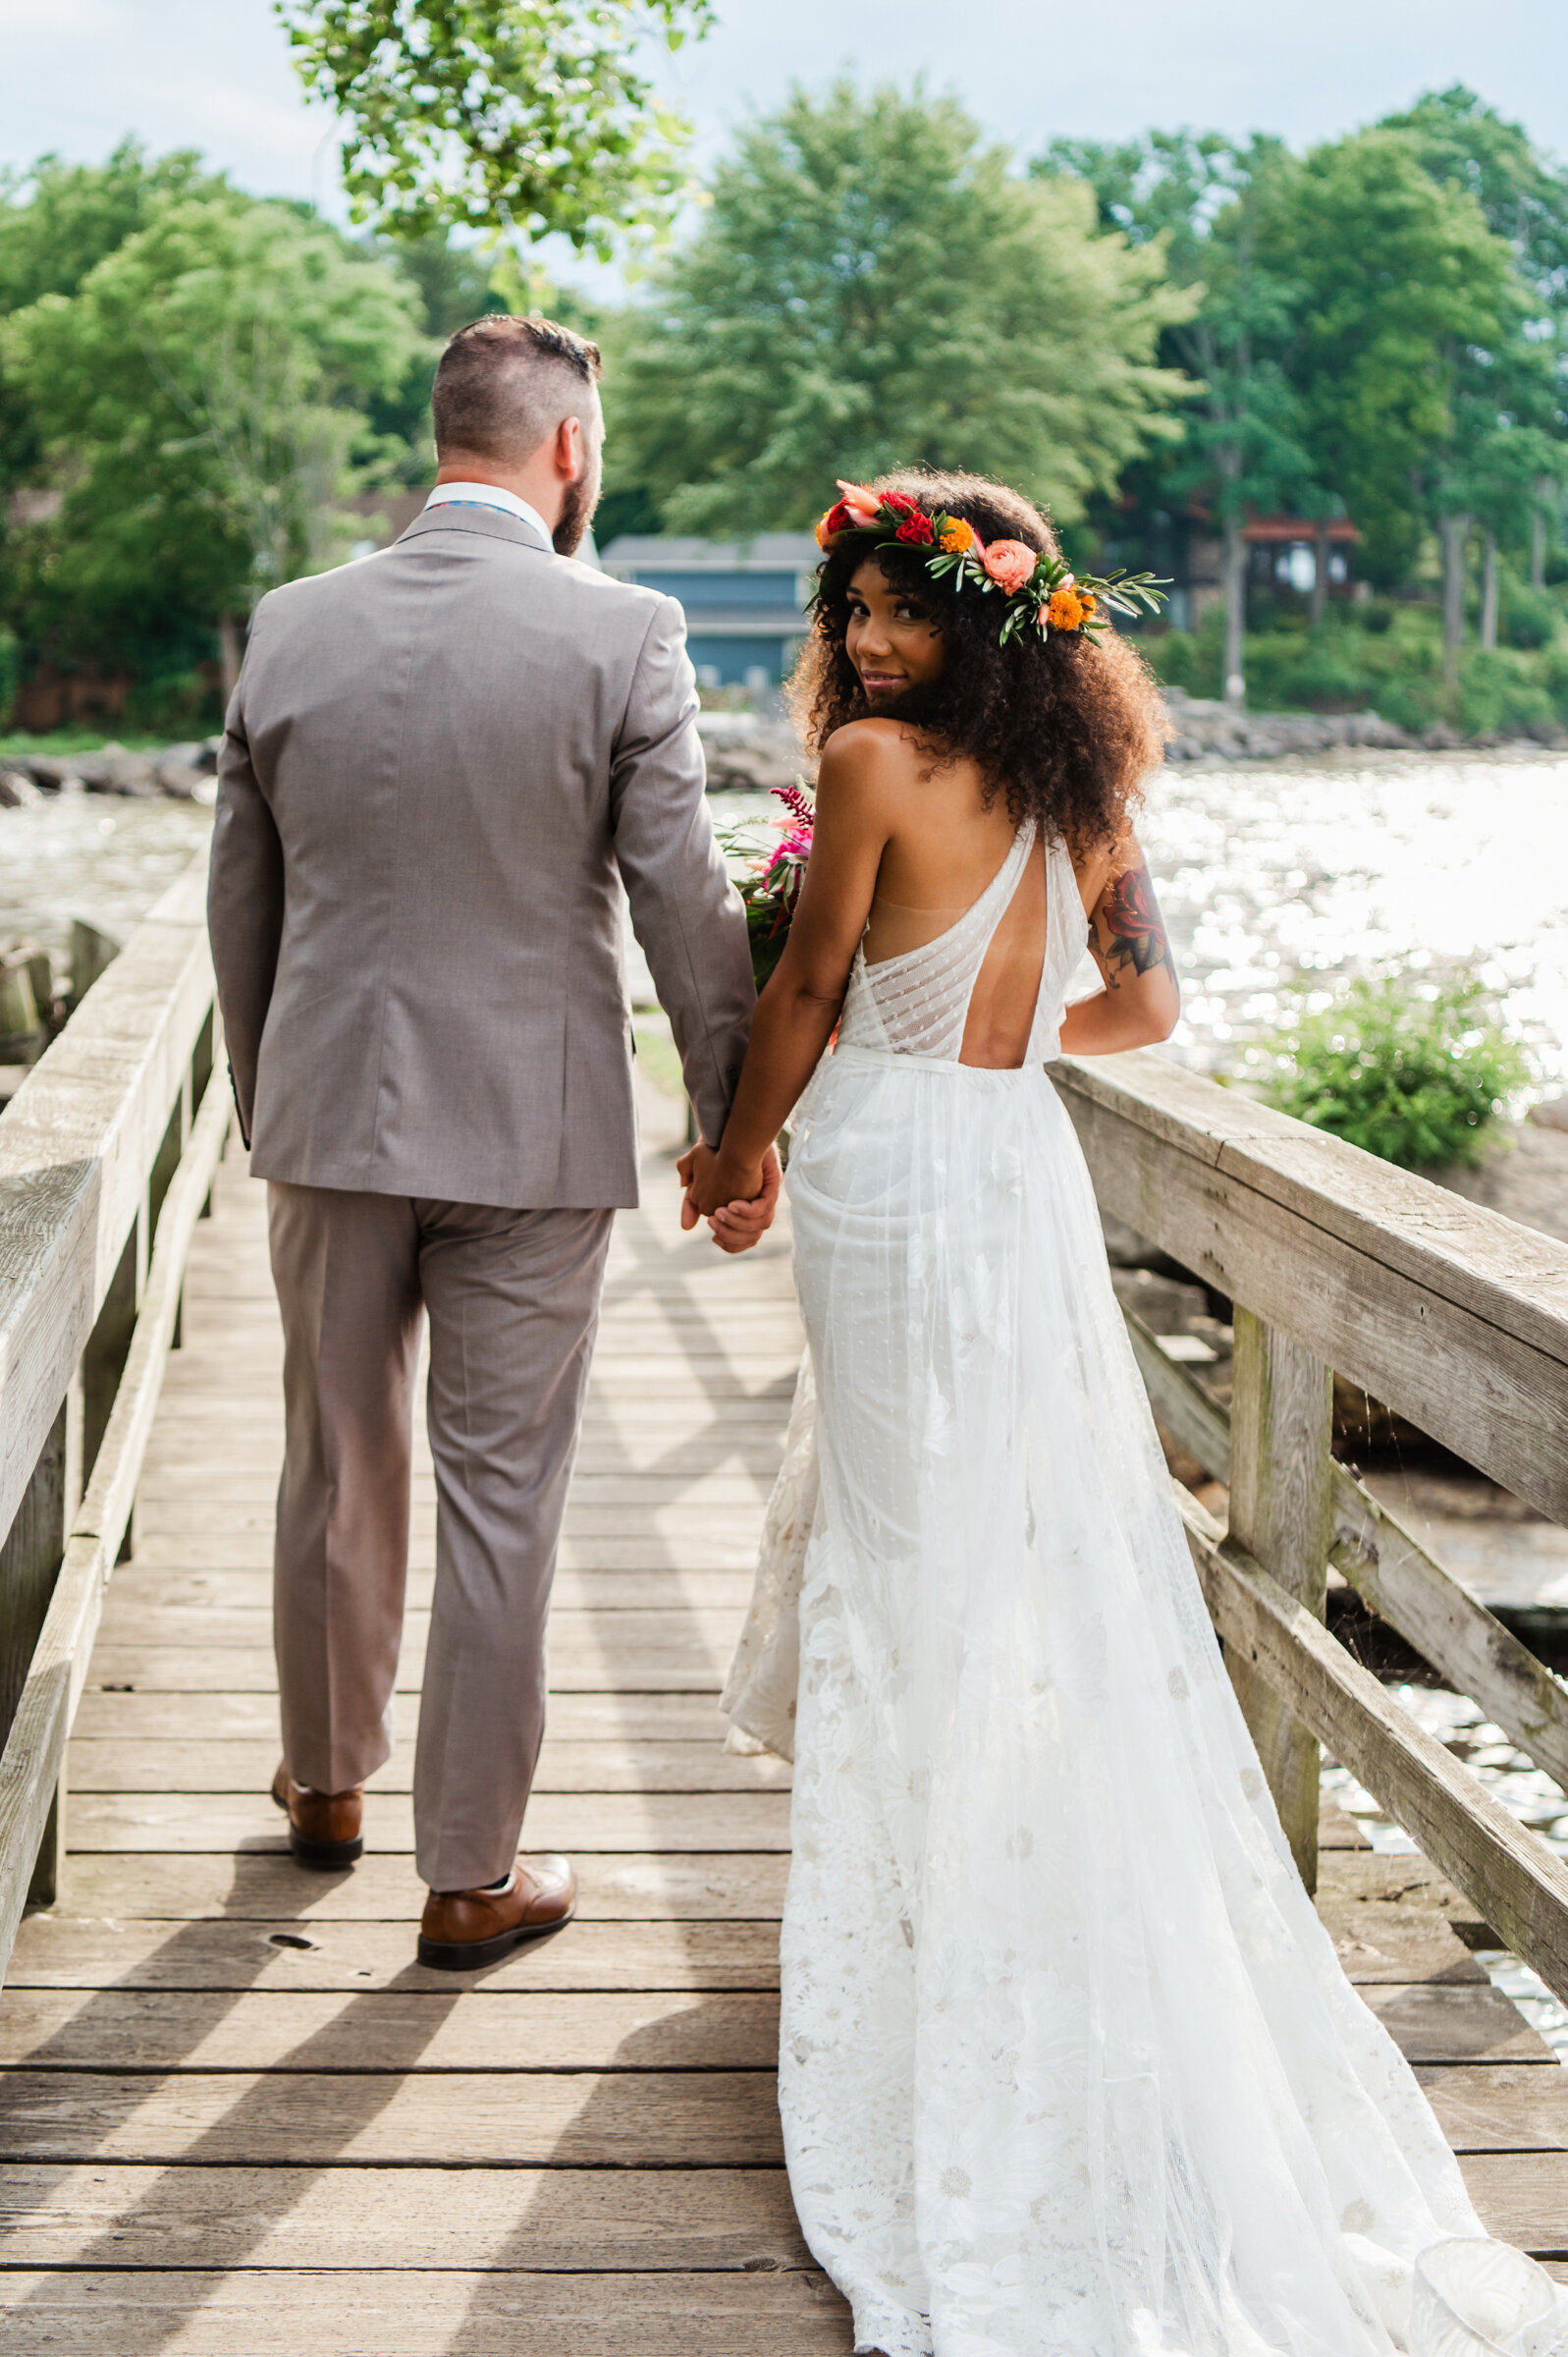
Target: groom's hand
{"type": "Point", "coordinates": [738, 1225]}
{"type": "Point", "coordinates": [739, 1204]}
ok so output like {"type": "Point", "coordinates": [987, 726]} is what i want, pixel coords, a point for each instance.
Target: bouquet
{"type": "Point", "coordinates": [771, 884]}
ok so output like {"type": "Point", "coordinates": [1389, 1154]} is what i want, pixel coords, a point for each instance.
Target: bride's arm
{"type": "Point", "coordinates": [1128, 940]}
{"type": "Point", "coordinates": [862, 767]}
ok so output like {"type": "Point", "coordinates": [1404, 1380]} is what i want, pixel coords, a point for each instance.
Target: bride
{"type": "Point", "coordinates": [1068, 2066]}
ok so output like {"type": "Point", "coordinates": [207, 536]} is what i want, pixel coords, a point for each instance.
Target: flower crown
{"type": "Point", "coordinates": [1037, 588]}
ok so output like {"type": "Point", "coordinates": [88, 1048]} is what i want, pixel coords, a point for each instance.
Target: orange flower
{"type": "Point", "coordinates": [954, 536]}
{"type": "Point", "coordinates": [1066, 610]}
{"type": "Point", "coordinates": [1010, 564]}
{"type": "Point", "coordinates": [1087, 601]}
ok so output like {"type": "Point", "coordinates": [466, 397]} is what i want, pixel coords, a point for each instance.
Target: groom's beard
{"type": "Point", "coordinates": [576, 512]}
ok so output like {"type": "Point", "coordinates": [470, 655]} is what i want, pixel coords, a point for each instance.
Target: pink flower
{"type": "Point", "coordinates": [861, 503]}
{"type": "Point", "coordinates": [1010, 564]}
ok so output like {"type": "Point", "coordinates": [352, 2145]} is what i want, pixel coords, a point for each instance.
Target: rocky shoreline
{"type": "Point", "coordinates": [1205, 730]}
{"type": "Point", "coordinates": [180, 772]}
{"type": "Point", "coordinates": [750, 751]}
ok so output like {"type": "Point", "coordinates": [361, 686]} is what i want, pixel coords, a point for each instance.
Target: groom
{"type": "Point", "coordinates": [440, 764]}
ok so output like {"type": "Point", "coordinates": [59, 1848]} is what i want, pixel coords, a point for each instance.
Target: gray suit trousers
{"type": "Point", "coordinates": [513, 1298]}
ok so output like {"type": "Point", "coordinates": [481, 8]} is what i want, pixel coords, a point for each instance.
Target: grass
{"type": "Point", "coordinates": [56, 743]}
{"type": "Point", "coordinates": [656, 1055]}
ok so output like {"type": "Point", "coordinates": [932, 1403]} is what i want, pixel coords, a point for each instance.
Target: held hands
{"type": "Point", "coordinates": [737, 1202]}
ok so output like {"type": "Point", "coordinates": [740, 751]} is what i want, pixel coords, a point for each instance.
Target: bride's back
{"type": "Point", "coordinates": [940, 861]}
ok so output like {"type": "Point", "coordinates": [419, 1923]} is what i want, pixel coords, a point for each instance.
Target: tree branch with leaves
{"type": "Point", "coordinates": [526, 118]}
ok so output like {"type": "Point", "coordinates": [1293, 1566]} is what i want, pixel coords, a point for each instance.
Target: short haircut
{"type": "Point", "coordinates": [504, 384]}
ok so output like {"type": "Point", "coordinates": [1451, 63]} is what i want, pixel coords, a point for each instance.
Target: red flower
{"type": "Point", "coordinates": [837, 519]}
{"type": "Point", "coordinates": [898, 503]}
{"type": "Point", "coordinates": [915, 528]}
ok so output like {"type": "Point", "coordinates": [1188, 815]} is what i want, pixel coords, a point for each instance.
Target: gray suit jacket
{"type": "Point", "coordinates": [436, 762]}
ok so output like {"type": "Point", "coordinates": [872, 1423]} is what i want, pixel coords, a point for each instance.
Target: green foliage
{"type": "Point", "coordinates": [525, 118]}
{"type": "Point", "coordinates": [871, 287]}
{"type": "Point", "coordinates": [203, 387]}
{"type": "Point", "coordinates": [1388, 661]}
{"type": "Point", "coordinates": [10, 673]}
{"type": "Point", "coordinates": [1414, 1070]}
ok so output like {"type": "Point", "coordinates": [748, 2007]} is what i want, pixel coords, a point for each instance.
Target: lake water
{"type": "Point", "coordinates": [1289, 872]}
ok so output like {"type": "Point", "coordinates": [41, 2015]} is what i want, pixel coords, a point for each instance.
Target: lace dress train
{"type": "Point", "coordinates": [1068, 2066]}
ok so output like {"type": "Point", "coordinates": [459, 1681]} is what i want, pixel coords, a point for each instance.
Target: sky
{"type": "Point", "coordinates": [77, 74]}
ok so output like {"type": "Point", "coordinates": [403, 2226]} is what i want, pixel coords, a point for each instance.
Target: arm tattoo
{"type": "Point", "coordinates": [1133, 930]}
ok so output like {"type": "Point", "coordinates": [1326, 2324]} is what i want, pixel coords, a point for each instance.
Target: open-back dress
{"type": "Point", "coordinates": [1068, 2064]}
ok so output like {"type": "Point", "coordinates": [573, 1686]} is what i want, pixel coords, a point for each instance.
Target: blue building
{"type": "Point", "coordinates": [744, 599]}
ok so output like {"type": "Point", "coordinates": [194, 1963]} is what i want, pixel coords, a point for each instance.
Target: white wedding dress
{"type": "Point", "coordinates": [1068, 2066]}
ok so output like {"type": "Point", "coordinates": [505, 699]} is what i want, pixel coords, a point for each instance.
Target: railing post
{"type": "Point", "coordinates": [29, 1565]}
{"type": "Point", "coordinates": [1281, 1426]}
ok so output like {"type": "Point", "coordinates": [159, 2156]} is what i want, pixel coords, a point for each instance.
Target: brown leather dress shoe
{"type": "Point", "coordinates": [463, 1929]}
{"type": "Point", "coordinates": [323, 1827]}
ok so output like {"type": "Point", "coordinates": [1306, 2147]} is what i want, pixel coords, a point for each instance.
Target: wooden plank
{"type": "Point", "coordinates": [578, 1822]}
{"type": "Point", "coordinates": [1282, 1429]}
{"type": "Point", "coordinates": [33, 1759]}
{"type": "Point", "coordinates": [174, 2030]}
{"type": "Point", "coordinates": [577, 2220]}
{"type": "Point", "coordinates": [1498, 2107]}
{"type": "Point", "coordinates": [677, 1668]}
{"type": "Point", "coordinates": [1410, 1589]}
{"type": "Point", "coordinates": [692, 1632]}
{"type": "Point", "coordinates": [183, 1765]}
{"type": "Point", "coordinates": [1460, 2024]}
{"type": "Point", "coordinates": [1392, 1572]}
{"type": "Point", "coordinates": [1522, 2199]}
{"type": "Point", "coordinates": [83, 2312]}
{"type": "Point", "coordinates": [155, 1717]}
{"type": "Point", "coordinates": [662, 1591]}
{"type": "Point", "coordinates": [1514, 1881]}
{"type": "Point", "coordinates": [66, 1952]}
{"type": "Point", "coordinates": [128, 1886]}
{"type": "Point", "coordinates": [1456, 1317]}
{"type": "Point", "coordinates": [587, 2119]}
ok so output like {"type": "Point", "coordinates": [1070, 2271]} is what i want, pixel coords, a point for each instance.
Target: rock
{"type": "Point", "coordinates": [1551, 1114]}
{"type": "Point", "coordinates": [1441, 738]}
{"type": "Point", "coordinates": [182, 780]}
{"type": "Point", "coordinates": [114, 770]}
{"type": "Point", "coordinates": [17, 790]}
{"type": "Point", "coordinates": [743, 750]}
{"type": "Point", "coordinates": [1206, 730]}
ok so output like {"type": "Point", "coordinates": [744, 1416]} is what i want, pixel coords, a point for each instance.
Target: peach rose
{"type": "Point", "coordinates": [861, 503]}
{"type": "Point", "coordinates": [1010, 564]}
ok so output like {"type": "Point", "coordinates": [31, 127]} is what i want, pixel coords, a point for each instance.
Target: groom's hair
{"type": "Point", "coordinates": [504, 384]}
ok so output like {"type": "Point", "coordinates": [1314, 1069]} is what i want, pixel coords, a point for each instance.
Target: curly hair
{"type": "Point", "coordinates": [1066, 728]}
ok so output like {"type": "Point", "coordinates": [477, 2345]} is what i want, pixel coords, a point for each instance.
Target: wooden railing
{"type": "Point", "coordinates": [1456, 1319]}
{"type": "Point", "coordinates": [107, 1157]}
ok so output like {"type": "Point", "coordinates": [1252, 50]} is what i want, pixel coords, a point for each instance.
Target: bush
{"type": "Point", "coordinates": [1415, 1071]}
{"type": "Point", "coordinates": [1527, 618]}
{"type": "Point", "coordinates": [10, 673]}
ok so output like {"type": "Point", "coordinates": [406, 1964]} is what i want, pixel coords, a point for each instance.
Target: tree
{"type": "Point", "coordinates": [1195, 197]}
{"type": "Point", "coordinates": [520, 118]}
{"type": "Point", "coordinates": [1399, 279]}
{"type": "Point", "coordinates": [57, 222]}
{"type": "Point", "coordinates": [869, 287]}
{"type": "Point", "coordinates": [1462, 142]}
{"type": "Point", "coordinates": [202, 391]}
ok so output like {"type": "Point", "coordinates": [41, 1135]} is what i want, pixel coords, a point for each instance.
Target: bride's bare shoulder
{"type": "Point", "coordinates": [868, 757]}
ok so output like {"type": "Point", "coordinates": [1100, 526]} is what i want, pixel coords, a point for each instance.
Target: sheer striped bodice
{"type": "Point", "coordinates": [917, 1004]}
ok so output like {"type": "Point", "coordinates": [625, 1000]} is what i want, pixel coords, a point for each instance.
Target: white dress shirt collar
{"type": "Point", "coordinates": [490, 495]}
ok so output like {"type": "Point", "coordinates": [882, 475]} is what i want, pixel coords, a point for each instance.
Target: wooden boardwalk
{"type": "Point", "coordinates": [236, 2117]}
